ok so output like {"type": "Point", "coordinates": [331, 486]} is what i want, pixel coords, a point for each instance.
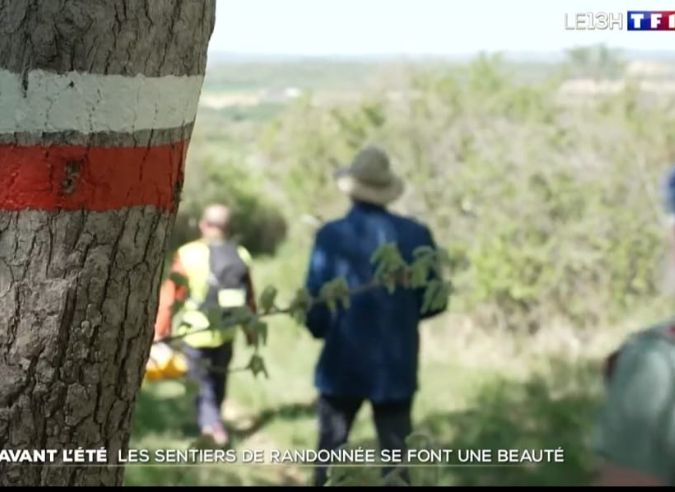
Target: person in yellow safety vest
{"type": "Point", "coordinates": [208, 277]}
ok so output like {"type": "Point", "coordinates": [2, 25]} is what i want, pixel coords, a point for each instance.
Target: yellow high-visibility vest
{"type": "Point", "coordinates": [194, 257]}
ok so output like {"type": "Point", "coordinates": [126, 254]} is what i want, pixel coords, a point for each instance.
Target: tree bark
{"type": "Point", "coordinates": [97, 102]}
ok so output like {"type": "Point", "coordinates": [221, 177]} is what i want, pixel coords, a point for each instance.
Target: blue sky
{"type": "Point", "coordinates": [413, 27]}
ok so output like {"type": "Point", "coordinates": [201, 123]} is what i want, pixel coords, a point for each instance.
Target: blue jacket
{"type": "Point", "coordinates": [370, 349]}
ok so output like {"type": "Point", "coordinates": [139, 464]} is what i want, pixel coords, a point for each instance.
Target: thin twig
{"type": "Point", "coordinates": [274, 312]}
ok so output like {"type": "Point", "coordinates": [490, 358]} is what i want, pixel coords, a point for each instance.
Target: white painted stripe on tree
{"type": "Point", "coordinates": [90, 103]}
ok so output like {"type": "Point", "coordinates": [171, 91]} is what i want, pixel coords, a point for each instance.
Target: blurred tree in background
{"type": "Point", "coordinates": [596, 62]}
{"type": "Point", "coordinates": [218, 176]}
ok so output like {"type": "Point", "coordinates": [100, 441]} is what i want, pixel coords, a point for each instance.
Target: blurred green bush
{"type": "Point", "coordinates": [214, 177]}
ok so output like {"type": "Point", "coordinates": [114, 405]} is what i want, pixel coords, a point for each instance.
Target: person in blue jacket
{"type": "Point", "coordinates": [370, 349]}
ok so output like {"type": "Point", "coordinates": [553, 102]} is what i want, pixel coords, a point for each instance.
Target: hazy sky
{"type": "Point", "coordinates": [361, 27]}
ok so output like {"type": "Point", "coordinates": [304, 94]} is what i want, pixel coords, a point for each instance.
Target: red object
{"type": "Point", "coordinates": [90, 178]}
{"type": "Point", "coordinates": [169, 293]}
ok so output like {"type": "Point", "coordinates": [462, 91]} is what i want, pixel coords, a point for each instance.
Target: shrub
{"type": "Point", "coordinates": [255, 223]}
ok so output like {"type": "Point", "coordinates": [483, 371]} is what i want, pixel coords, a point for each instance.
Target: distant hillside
{"type": "Point", "coordinates": [279, 74]}
{"type": "Point", "coordinates": [231, 72]}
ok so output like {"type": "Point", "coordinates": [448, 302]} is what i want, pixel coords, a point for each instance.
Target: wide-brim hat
{"type": "Point", "coordinates": [369, 178]}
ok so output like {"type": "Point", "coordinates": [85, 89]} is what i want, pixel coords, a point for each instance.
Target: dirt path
{"type": "Point", "coordinates": [247, 434]}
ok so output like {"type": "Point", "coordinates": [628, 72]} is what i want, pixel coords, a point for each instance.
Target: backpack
{"type": "Point", "coordinates": [664, 330]}
{"type": "Point", "coordinates": [218, 284]}
{"type": "Point", "coordinates": [227, 280]}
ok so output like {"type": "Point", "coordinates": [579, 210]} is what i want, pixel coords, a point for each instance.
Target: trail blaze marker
{"type": "Point", "coordinates": [94, 142]}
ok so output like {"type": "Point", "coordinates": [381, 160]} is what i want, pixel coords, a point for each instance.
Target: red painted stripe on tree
{"type": "Point", "coordinates": [90, 178]}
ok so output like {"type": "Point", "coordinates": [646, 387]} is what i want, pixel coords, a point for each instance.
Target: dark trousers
{"type": "Point", "coordinates": [336, 415]}
{"type": "Point", "coordinates": [208, 368]}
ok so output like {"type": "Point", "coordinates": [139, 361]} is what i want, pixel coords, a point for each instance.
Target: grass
{"type": "Point", "coordinates": [480, 389]}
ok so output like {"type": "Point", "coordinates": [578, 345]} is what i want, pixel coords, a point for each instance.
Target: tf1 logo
{"type": "Point", "coordinates": [635, 20]}
{"type": "Point", "coordinates": [645, 20]}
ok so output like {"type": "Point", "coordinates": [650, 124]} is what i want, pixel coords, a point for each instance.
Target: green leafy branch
{"type": "Point", "coordinates": [391, 271]}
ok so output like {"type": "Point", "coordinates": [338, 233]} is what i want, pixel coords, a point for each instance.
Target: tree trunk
{"type": "Point", "coordinates": [97, 101]}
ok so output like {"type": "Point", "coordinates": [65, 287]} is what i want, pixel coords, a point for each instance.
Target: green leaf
{"type": "Point", "coordinates": [179, 279]}
{"type": "Point", "coordinates": [376, 257]}
{"type": "Point", "coordinates": [387, 256]}
{"type": "Point", "coordinates": [300, 305]}
{"type": "Point", "coordinates": [422, 251]}
{"type": "Point", "coordinates": [240, 315]}
{"type": "Point", "coordinates": [442, 296]}
{"type": "Point", "coordinates": [341, 291]}
{"type": "Point", "coordinates": [257, 365]}
{"type": "Point", "coordinates": [419, 274]}
{"type": "Point", "coordinates": [334, 293]}
{"type": "Point", "coordinates": [390, 267]}
{"type": "Point", "coordinates": [430, 295]}
{"type": "Point", "coordinates": [267, 298]}
{"type": "Point", "coordinates": [300, 316]}
{"type": "Point", "coordinates": [258, 329]}
{"type": "Point", "coordinates": [262, 332]}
